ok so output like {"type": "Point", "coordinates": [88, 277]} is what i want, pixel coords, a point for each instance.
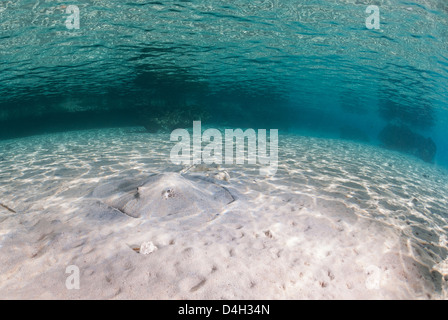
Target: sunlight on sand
{"type": "Point", "coordinates": [339, 220]}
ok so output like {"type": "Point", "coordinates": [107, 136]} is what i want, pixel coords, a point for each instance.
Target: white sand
{"type": "Point", "coordinates": [338, 221]}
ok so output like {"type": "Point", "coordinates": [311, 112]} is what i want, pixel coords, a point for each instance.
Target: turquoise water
{"type": "Point", "coordinates": [311, 67]}
{"type": "Point", "coordinates": [352, 206]}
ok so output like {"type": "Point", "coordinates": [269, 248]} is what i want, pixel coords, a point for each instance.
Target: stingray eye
{"type": "Point", "coordinates": [168, 193]}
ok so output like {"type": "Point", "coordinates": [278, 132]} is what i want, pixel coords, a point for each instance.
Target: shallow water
{"type": "Point", "coordinates": [362, 150]}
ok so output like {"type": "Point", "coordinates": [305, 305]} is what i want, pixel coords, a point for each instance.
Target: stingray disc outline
{"type": "Point", "coordinates": [169, 195]}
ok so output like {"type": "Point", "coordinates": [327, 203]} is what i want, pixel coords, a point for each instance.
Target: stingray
{"type": "Point", "coordinates": [168, 195]}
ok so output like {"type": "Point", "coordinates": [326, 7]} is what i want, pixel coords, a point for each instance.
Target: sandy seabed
{"type": "Point", "coordinates": [339, 220]}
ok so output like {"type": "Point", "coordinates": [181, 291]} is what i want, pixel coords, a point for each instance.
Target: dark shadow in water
{"type": "Point", "coordinates": [350, 102]}
{"type": "Point", "coordinates": [165, 102]}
